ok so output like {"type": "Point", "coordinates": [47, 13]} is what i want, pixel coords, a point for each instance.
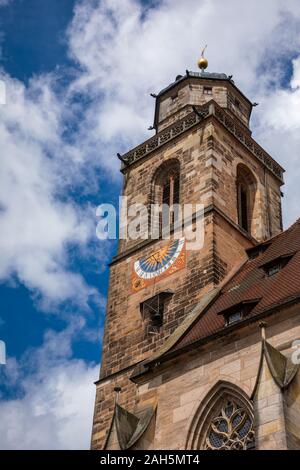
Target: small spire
{"type": "Point", "coordinates": [262, 326]}
{"type": "Point", "coordinates": [203, 62]}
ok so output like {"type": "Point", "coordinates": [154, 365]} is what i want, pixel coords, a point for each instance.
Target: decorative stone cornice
{"type": "Point", "coordinates": [166, 135]}
{"type": "Point", "coordinates": [191, 120]}
{"type": "Point", "coordinates": [248, 142]}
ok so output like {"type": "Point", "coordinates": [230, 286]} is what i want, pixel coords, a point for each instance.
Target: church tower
{"type": "Point", "coordinates": [202, 152]}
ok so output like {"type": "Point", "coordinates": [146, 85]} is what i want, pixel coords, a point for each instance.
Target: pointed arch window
{"type": "Point", "coordinates": [231, 428]}
{"type": "Point", "coordinates": [223, 420]}
{"type": "Point", "coordinates": [246, 192]}
{"type": "Point", "coordinates": [166, 195]}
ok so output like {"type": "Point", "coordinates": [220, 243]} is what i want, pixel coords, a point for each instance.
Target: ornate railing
{"type": "Point", "coordinates": [191, 120]}
{"type": "Point", "coordinates": [179, 127]}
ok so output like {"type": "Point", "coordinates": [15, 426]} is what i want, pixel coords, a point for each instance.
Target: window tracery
{"type": "Point", "coordinates": [231, 428]}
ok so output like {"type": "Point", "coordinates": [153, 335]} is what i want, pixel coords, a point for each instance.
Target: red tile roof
{"type": "Point", "coordinates": [251, 282]}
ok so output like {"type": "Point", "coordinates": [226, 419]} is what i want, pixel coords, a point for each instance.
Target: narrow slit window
{"type": "Point", "coordinates": [243, 208]}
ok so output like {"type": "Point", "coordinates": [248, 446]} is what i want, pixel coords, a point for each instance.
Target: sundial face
{"type": "Point", "coordinates": [162, 262]}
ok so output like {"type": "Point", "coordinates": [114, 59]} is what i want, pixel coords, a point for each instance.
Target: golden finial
{"type": "Point", "coordinates": [202, 62]}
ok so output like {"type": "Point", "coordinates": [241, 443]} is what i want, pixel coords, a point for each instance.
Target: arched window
{"type": "Point", "coordinates": [230, 428]}
{"type": "Point", "coordinates": [223, 421]}
{"type": "Point", "coordinates": [170, 189]}
{"type": "Point", "coordinates": [246, 189]}
{"type": "Point", "coordinates": [165, 194]}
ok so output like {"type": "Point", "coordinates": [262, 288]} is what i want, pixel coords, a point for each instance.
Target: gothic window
{"type": "Point", "coordinates": [246, 190]}
{"type": "Point", "coordinates": [223, 420]}
{"type": "Point", "coordinates": [166, 196]}
{"type": "Point", "coordinates": [231, 428]}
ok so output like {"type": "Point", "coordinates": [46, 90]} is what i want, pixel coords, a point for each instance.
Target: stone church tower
{"type": "Point", "coordinates": [198, 344]}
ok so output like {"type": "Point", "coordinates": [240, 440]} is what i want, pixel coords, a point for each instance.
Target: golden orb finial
{"type": "Point", "coordinates": [203, 62]}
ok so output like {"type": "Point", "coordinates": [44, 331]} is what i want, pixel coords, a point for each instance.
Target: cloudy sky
{"type": "Point", "coordinates": [78, 74]}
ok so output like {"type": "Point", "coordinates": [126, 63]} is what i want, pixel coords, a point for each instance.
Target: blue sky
{"type": "Point", "coordinates": [78, 74]}
{"type": "Point", "coordinates": [34, 43]}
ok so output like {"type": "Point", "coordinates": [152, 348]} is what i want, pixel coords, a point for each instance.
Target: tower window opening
{"type": "Point", "coordinates": [246, 197]}
{"type": "Point", "coordinates": [152, 311]}
{"type": "Point", "coordinates": [207, 90]}
{"type": "Point", "coordinates": [170, 196]}
{"type": "Point", "coordinates": [243, 208]}
{"type": "Point", "coordinates": [166, 197]}
{"type": "Point", "coordinates": [237, 103]}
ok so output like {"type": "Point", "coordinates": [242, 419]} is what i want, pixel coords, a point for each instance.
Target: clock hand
{"type": "Point", "coordinates": [153, 256]}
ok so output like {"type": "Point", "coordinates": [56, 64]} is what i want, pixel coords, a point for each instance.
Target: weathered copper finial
{"type": "Point", "coordinates": [203, 62]}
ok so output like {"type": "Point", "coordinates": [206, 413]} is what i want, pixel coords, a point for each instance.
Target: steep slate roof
{"type": "Point", "coordinates": [251, 283]}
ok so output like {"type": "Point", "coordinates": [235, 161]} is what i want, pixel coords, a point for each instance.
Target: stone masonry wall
{"type": "Point", "coordinates": [181, 385]}
{"type": "Point", "coordinates": [190, 92]}
{"type": "Point", "coordinates": [208, 158]}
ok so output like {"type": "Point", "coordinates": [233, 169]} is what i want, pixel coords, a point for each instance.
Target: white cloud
{"type": "Point", "coordinates": [36, 226]}
{"type": "Point", "coordinates": [55, 407]}
{"type": "Point", "coordinates": [55, 412]}
{"type": "Point", "coordinates": [124, 52]}
{"type": "Point", "coordinates": [278, 124]}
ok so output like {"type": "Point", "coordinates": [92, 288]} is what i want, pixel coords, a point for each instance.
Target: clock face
{"type": "Point", "coordinates": [162, 262]}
